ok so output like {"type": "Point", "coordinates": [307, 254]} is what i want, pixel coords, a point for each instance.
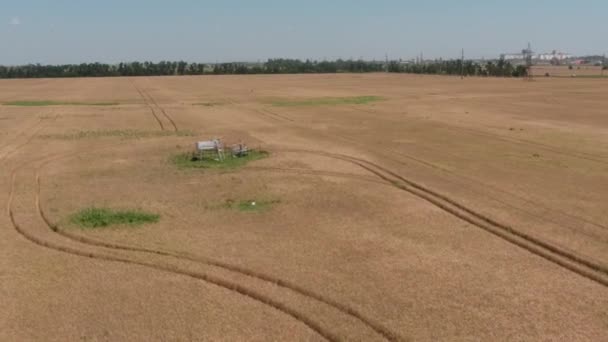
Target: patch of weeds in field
{"type": "Point", "coordinates": [190, 161]}
{"type": "Point", "coordinates": [57, 103]}
{"type": "Point", "coordinates": [328, 101]}
{"type": "Point", "coordinates": [104, 217]}
{"type": "Point", "coordinates": [250, 205]}
{"type": "Point", "coordinates": [123, 134]}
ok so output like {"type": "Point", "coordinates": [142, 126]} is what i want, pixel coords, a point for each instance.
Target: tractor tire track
{"type": "Point", "coordinates": [362, 178]}
{"type": "Point", "coordinates": [558, 255]}
{"type": "Point", "coordinates": [554, 149]}
{"type": "Point", "coordinates": [495, 188]}
{"type": "Point", "coordinates": [162, 110]}
{"type": "Point", "coordinates": [222, 283]}
{"type": "Point", "coordinates": [547, 147]}
{"type": "Point", "coordinates": [277, 115]}
{"type": "Point", "coordinates": [344, 309]}
{"type": "Point", "coordinates": [160, 123]}
{"type": "Point", "coordinates": [273, 117]}
{"type": "Point", "coordinates": [268, 114]}
{"type": "Point", "coordinates": [264, 112]}
{"type": "Point", "coordinates": [385, 333]}
{"type": "Point", "coordinates": [551, 219]}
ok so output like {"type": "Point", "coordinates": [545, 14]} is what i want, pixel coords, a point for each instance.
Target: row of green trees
{"type": "Point", "coordinates": [500, 68]}
{"type": "Point", "coordinates": [103, 70]}
{"type": "Point", "coordinates": [272, 66]}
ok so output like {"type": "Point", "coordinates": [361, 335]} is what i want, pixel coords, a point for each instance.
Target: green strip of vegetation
{"type": "Point", "coordinates": [123, 134]}
{"type": "Point", "coordinates": [251, 205]}
{"type": "Point", "coordinates": [328, 101]}
{"type": "Point", "coordinates": [57, 103]}
{"type": "Point", "coordinates": [192, 161]}
{"type": "Point", "coordinates": [103, 217]}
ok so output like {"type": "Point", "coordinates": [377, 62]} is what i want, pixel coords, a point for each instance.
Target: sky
{"type": "Point", "coordinates": [110, 31]}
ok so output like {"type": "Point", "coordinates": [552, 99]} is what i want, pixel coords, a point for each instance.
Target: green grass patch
{"type": "Point", "coordinates": [103, 217]}
{"type": "Point", "coordinates": [250, 205]}
{"type": "Point", "coordinates": [190, 161]}
{"type": "Point", "coordinates": [328, 101]}
{"type": "Point", "coordinates": [57, 103]}
{"type": "Point", "coordinates": [123, 134]}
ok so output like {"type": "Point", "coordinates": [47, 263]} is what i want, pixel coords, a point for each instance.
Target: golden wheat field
{"type": "Point", "coordinates": [383, 207]}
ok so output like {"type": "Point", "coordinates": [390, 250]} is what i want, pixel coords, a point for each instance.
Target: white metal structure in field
{"type": "Point", "coordinates": [240, 150]}
{"type": "Point", "coordinates": [214, 146]}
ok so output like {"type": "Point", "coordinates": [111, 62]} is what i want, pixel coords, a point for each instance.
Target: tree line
{"type": "Point", "coordinates": [499, 68]}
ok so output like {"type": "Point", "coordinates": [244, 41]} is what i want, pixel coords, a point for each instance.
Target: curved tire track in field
{"type": "Point", "coordinates": [558, 255]}
{"type": "Point", "coordinates": [555, 221]}
{"type": "Point", "coordinates": [551, 220]}
{"type": "Point", "coordinates": [141, 94]}
{"type": "Point", "coordinates": [344, 309]}
{"type": "Point", "coordinates": [230, 286]}
{"type": "Point", "coordinates": [493, 187]}
{"type": "Point", "coordinates": [234, 287]}
{"type": "Point", "coordinates": [555, 254]}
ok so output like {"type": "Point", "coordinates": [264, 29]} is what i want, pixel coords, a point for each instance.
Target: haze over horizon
{"type": "Point", "coordinates": [58, 32]}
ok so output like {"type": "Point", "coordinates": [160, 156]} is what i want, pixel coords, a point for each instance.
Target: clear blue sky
{"type": "Point", "coordinates": [74, 31]}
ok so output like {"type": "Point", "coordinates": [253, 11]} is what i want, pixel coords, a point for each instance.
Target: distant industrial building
{"type": "Point", "coordinates": [512, 56]}
{"type": "Point", "coordinates": [552, 56]}
{"type": "Point", "coordinates": [555, 55]}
